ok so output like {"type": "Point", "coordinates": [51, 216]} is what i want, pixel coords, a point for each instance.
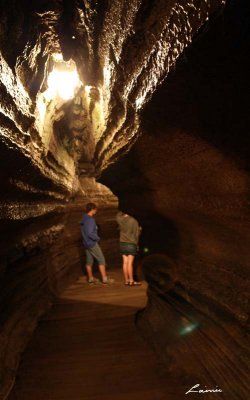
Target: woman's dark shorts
{"type": "Point", "coordinates": [127, 249]}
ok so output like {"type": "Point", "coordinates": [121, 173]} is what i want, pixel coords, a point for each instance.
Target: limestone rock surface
{"type": "Point", "coordinates": [186, 176]}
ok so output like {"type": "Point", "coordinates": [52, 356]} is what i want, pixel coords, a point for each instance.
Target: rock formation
{"type": "Point", "coordinates": [187, 164]}
{"type": "Point", "coordinates": [187, 180]}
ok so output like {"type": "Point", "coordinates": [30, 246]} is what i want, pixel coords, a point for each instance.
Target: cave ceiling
{"type": "Point", "coordinates": [114, 56]}
{"type": "Point", "coordinates": [163, 82]}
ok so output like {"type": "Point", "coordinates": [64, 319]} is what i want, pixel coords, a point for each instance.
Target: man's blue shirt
{"type": "Point", "coordinates": [89, 231]}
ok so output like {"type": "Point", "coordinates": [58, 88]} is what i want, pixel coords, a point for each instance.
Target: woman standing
{"type": "Point", "coordinates": [129, 237]}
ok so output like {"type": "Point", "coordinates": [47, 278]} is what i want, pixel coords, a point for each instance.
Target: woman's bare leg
{"type": "Point", "coordinates": [130, 268]}
{"type": "Point", "coordinates": [125, 268]}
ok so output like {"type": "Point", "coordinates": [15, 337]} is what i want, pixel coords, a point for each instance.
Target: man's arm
{"type": "Point", "coordinates": [91, 230]}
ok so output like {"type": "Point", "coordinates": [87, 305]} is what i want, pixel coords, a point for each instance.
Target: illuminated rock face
{"type": "Point", "coordinates": [52, 148]}
{"type": "Point", "coordinates": [187, 181]}
{"type": "Point", "coordinates": [122, 53]}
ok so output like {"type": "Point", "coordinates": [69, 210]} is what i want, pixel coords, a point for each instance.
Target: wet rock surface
{"type": "Point", "coordinates": [187, 181]}
{"type": "Point", "coordinates": [195, 338]}
{"type": "Point", "coordinates": [39, 258]}
{"type": "Point", "coordinates": [186, 177]}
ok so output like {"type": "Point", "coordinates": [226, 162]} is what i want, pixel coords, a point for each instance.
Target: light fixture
{"type": "Point", "coordinates": [62, 80]}
{"type": "Point", "coordinates": [62, 83]}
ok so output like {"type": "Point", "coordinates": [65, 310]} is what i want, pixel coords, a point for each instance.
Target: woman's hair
{"type": "Point", "coordinates": [90, 206]}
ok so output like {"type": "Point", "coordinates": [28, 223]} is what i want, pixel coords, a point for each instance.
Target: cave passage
{"type": "Point", "coordinates": [87, 347]}
{"type": "Point", "coordinates": [142, 106]}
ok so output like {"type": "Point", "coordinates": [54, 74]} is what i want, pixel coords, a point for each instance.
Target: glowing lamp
{"type": "Point", "coordinates": [62, 84]}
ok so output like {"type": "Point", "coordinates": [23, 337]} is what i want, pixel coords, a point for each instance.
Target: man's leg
{"type": "Point", "coordinates": [97, 253]}
{"type": "Point", "coordinates": [89, 271]}
{"type": "Point", "coordinates": [102, 269]}
{"type": "Point", "coordinates": [105, 278]}
{"type": "Point", "coordinates": [89, 264]}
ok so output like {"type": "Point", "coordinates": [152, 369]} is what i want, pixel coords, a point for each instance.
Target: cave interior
{"type": "Point", "coordinates": [145, 109]}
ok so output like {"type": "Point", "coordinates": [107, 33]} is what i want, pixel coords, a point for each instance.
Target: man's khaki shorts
{"type": "Point", "coordinates": [95, 253]}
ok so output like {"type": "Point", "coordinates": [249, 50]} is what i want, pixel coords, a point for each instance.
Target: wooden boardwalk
{"type": "Point", "coordinates": [87, 348]}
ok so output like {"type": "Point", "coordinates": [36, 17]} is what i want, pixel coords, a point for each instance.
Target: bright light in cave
{"type": "Point", "coordinates": [62, 80]}
{"type": "Point", "coordinates": [62, 83]}
{"type": "Point", "coordinates": [88, 89]}
{"type": "Point", "coordinates": [57, 56]}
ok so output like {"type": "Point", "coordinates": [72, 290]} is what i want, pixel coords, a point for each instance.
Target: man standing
{"type": "Point", "coordinates": [92, 248]}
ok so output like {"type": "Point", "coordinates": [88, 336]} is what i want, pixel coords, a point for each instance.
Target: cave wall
{"type": "Point", "coordinates": [121, 53]}
{"type": "Point", "coordinates": [40, 256]}
{"type": "Point", "coordinates": [187, 181]}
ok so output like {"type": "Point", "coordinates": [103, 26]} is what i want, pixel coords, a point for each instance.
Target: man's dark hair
{"type": "Point", "coordinates": [90, 206]}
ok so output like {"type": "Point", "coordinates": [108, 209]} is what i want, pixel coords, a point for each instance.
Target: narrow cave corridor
{"type": "Point", "coordinates": [142, 107]}
{"type": "Point", "coordinates": [92, 350]}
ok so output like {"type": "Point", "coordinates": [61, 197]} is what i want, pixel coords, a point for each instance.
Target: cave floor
{"type": "Point", "coordinates": [87, 347]}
